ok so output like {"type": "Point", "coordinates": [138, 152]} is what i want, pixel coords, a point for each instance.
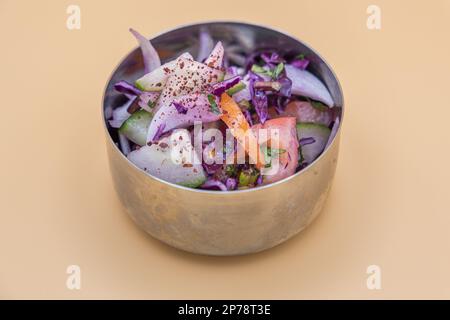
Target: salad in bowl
{"type": "Point", "coordinates": [225, 119]}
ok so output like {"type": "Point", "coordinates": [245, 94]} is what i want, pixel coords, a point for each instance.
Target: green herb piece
{"type": "Point", "coordinates": [151, 104]}
{"type": "Point", "coordinates": [300, 56]}
{"type": "Point", "coordinates": [318, 105]}
{"type": "Point", "coordinates": [230, 170]}
{"type": "Point", "coordinates": [276, 152]}
{"type": "Point", "coordinates": [212, 101]}
{"type": "Point", "coordinates": [278, 70]}
{"type": "Point", "coordinates": [248, 177]}
{"type": "Point", "coordinates": [236, 88]}
{"type": "Point", "coordinates": [260, 70]}
{"type": "Point", "coordinates": [270, 153]}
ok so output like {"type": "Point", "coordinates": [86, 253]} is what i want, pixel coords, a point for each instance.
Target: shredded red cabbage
{"type": "Point", "coordinates": [180, 108]}
{"type": "Point", "coordinates": [259, 180]}
{"type": "Point", "coordinates": [159, 132]}
{"type": "Point", "coordinates": [306, 141]}
{"type": "Point", "coordinates": [231, 183]}
{"type": "Point", "coordinates": [267, 80]}
{"type": "Point", "coordinates": [260, 102]}
{"type": "Point", "coordinates": [300, 63]}
{"type": "Point", "coordinates": [271, 58]}
{"type": "Point", "coordinates": [126, 88]}
{"type": "Point", "coordinates": [221, 87]}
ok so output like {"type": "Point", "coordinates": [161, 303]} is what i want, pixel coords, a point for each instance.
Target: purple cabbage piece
{"type": "Point", "coordinates": [212, 168]}
{"type": "Point", "coordinates": [159, 132]}
{"type": "Point", "coordinates": [300, 63]}
{"type": "Point", "coordinates": [180, 108]}
{"type": "Point", "coordinates": [306, 141]}
{"type": "Point", "coordinates": [286, 86]}
{"type": "Point", "coordinates": [251, 59]}
{"type": "Point", "coordinates": [232, 71]}
{"type": "Point", "coordinates": [271, 58]}
{"type": "Point", "coordinates": [231, 183]}
{"type": "Point", "coordinates": [127, 88]}
{"type": "Point", "coordinates": [145, 99]}
{"type": "Point", "coordinates": [254, 77]}
{"type": "Point", "coordinates": [260, 102]}
{"type": "Point", "coordinates": [221, 87]}
{"type": "Point", "coordinates": [259, 180]}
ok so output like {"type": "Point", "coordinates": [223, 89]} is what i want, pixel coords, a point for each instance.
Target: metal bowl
{"type": "Point", "coordinates": [214, 222]}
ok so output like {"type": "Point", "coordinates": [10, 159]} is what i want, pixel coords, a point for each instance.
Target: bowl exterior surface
{"type": "Point", "coordinates": [221, 223]}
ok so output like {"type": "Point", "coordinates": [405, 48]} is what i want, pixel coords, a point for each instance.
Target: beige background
{"type": "Point", "coordinates": [389, 204]}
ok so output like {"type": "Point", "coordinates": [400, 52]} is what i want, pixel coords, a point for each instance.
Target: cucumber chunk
{"type": "Point", "coordinates": [172, 159]}
{"type": "Point", "coordinates": [136, 126]}
{"type": "Point", "coordinates": [319, 133]}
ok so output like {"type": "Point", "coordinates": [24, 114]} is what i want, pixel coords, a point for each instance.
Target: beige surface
{"type": "Point", "coordinates": [388, 206]}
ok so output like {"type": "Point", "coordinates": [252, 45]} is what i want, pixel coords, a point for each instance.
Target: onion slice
{"type": "Point", "coordinates": [206, 45]}
{"type": "Point", "coordinates": [215, 59]}
{"type": "Point", "coordinates": [168, 117]}
{"type": "Point", "coordinates": [149, 54]}
{"type": "Point", "coordinates": [304, 83]}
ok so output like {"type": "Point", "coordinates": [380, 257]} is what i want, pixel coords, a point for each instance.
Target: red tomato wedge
{"type": "Point", "coordinates": [305, 112]}
{"type": "Point", "coordinates": [287, 147]}
{"type": "Point", "coordinates": [240, 129]}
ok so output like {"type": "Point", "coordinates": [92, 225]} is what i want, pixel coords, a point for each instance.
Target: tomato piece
{"type": "Point", "coordinates": [304, 111]}
{"type": "Point", "coordinates": [287, 146]}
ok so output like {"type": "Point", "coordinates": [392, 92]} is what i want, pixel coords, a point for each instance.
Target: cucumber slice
{"type": "Point", "coordinates": [236, 88]}
{"type": "Point", "coordinates": [136, 126]}
{"type": "Point", "coordinates": [172, 159]}
{"type": "Point", "coordinates": [319, 133]}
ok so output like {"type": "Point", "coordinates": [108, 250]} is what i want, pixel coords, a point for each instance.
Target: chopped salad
{"type": "Point", "coordinates": [217, 123]}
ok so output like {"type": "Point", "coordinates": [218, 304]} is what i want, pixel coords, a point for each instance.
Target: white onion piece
{"type": "Point", "coordinates": [215, 59]}
{"type": "Point", "coordinates": [206, 45]}
{"type": "Point", "coordinates": [197, 108]}
{"type": "Point", "coordinates": [120, 114]}
{"type": "Point", "coordinates": [156, 80]}
{"type": "Point", "coordinates": [306, 84]}
{"type": "Point", "coordinates": [149, 54]}
{"type": "Point", "coordinates": [124, 144]}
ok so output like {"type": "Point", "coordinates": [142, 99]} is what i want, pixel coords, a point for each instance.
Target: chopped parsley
{"type": "Point", "coordinates": [212, 101]}
{"type": "Point", "coordinates": [278, 70]}
{"type": "Point", "coordinates": [151, 104]}
{"type": "Point", "coordinates": [274, 74]}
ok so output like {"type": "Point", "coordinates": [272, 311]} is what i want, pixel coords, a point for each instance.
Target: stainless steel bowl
{"type": "Point", "coordinates": [213, 222]}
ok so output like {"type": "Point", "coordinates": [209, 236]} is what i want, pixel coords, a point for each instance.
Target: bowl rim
{"type": "Point", "coordinates": [218, 192]}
